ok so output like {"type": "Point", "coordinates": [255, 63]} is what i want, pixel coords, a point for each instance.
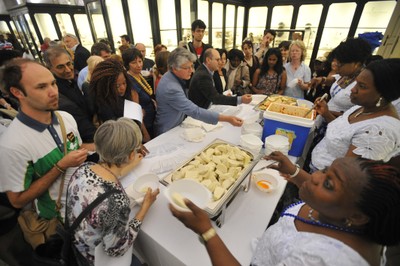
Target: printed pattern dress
{"type": "Point", "coordinates": [108, 224]}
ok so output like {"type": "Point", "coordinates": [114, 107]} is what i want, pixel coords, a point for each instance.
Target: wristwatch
{"type": "Point", "coordinates": [207, 235]}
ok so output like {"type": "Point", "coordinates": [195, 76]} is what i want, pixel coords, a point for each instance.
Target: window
{"type": "Point", "coordinates": [217, 11]}
{"type": "Point", "coordinates": [375, 17]}
{"type": "Point", "coordinates": [281, 20]}
{"type": "Point", "coordinates": [335, 29]}
{"type": "Point", "coordinates": [166, 11]}
{"type": "Point", "coordinates": [186, 20]}
{"type": "Point", "coordinates": [95, 13]}
{"type": "Point", "coordinates": [308, 19]}
{"type": "Point", "coordinates": [257, 22]}
{"type": "Point", "coordinates": [117, 21]}
{"type": "Point", "coordinates": [46, 26]}
{"type": "Point", "coordinates": [239, 27]}
{"type": "Point", "coordinates": [84, 30]}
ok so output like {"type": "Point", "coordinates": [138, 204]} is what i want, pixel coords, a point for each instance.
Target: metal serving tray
{"type": "Point", "coordinates": [214, 208]}
{"type": "Point", "coordinates": [261, 106]}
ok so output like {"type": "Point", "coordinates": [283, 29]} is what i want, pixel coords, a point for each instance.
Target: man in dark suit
{"type": "Point", "coordinates": [70, 98]}
{"type": "Point", "coordinates": [81, 54]}
{"type": "Point", "coordinates": [202, 89]}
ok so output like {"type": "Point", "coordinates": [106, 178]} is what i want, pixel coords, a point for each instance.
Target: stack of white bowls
{"type": "Point", "coordinates": [252, 128]}
{"type": "Point", "coordinates": [251, 142]}
{"type": "Point", "coordinates": [277, 143]}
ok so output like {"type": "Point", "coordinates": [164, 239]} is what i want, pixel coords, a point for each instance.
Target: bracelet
{"type": "Point", "coordinates": [296, 172]}
{"type": "Point", "coordinates": [59, 169]}
{"type": "Point", "coordinates": [6, 105]}
{"type": "Point", "coordinates": [136, 223]}
{"type": "Point", "coordinates": [210, 233]}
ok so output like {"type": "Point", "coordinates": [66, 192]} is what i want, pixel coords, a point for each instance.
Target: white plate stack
{"type": "Point", "coordinates": [277, 143]}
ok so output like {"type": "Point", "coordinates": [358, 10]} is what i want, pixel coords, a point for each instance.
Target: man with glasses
{"type": "Point", "coordinates": [172, 103]}
{"type": "Point", "coordinates": [202, 89]}
{"type": "Point", "coordinates": [71, 98]}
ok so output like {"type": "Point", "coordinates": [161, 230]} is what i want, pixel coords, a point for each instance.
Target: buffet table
{"type": "Point", "coordinates": [163, 240]}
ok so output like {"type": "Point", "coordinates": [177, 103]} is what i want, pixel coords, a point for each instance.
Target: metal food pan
{"type": "Point", "coordinates": [260, 106]}
{"type": "Point", "coordinates": [214, 207]}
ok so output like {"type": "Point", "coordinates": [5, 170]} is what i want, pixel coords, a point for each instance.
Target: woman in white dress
{"type": "Point", "coordinates": [298, 73]}
{"type": "Point", "coordinates": [371, 128]}
{"type": "Point", "coordinates": [350, 57]}
{"type": "Point", "coordinates": [350, 211]}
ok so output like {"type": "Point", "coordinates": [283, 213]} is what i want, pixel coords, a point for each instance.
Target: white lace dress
{"type": "Point", "coordinates": [340, 99]}
{"type": "Point", "coordinates": [376, 139]}
{"type": "Point", "coordinates": [282, 244]}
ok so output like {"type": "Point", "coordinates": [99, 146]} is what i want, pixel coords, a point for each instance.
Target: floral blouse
{"type": "Point", "coordinates": [269, 83]}
{"type": "Point", "coordinates": [108, 224]}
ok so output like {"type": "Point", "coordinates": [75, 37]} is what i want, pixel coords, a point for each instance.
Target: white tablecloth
{"type": "Point", "coordinates": [163, 240]}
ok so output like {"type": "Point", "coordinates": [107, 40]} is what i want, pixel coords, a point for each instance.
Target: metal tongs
{"type": "Point", "coordinates": [312, 108]}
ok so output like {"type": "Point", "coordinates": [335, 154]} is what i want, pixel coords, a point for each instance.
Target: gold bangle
{"type": "Point", "coordinates": [210, 233]}
{"type": "Point", "coordinates": [59, 169]}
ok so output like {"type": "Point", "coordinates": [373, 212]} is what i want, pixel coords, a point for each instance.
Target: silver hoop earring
{"type": "Point", "coordinates": [378, 104]}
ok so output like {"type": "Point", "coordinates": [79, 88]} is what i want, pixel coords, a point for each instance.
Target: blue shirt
{"type": "Point", "coordinates": [173, 105]}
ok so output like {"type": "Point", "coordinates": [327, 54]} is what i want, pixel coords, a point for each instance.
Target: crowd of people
{"type": "Point", "coordinates": [70, 123]}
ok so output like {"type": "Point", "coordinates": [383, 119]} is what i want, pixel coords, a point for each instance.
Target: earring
{"type": "Point", "coordinates": [378, 104]}
{"type": "Point", "coordinates": [348, 222]}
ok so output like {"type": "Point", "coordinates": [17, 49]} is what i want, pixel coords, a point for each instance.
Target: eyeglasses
{"type": "Point", "coordinates": [187, 68]}
{"type": "Point", "coordinates": [69, 64]}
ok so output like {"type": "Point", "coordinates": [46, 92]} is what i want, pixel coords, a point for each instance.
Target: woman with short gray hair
{"type": "Point", "coordinates": [108, 224]}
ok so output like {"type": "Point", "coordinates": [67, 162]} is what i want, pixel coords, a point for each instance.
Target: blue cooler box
{"type": "Point", "coordinates": [296, 128]}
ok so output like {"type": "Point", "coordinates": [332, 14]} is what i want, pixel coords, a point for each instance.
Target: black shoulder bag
{"type": "Point", "coordinates": [59, 249]}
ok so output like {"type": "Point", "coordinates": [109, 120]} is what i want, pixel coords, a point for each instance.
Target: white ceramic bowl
{"type": "Point", "coordinates": [138, 188]}
{"type": "Point", "coordinates": [265, 180]}
{"type": "Point", "coordinates": [190, 189]}
{"type": "Point", "coordinates": [251, 142]}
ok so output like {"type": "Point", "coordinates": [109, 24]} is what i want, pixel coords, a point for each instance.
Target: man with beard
{"type": "Point", "coordinates": [32, 159]}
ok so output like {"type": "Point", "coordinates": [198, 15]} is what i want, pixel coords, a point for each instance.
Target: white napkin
{"type": "Point", "coordinates": [191, 122]}
{"type": "Point", "coordinates": [133, 110]}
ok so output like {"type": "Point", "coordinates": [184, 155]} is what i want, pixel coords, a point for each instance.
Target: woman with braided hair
{"type": "Point", "coordinates": [108, 85]}
{"type": "Point", "coordinates": [350, 212]}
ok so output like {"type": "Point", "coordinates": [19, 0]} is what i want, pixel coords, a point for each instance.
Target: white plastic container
{"type": "Point", "coordinates": [277, 143]}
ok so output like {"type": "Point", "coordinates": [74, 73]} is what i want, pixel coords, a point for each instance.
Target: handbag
{"type": "Point", "coordinates": [60, 249]}
{"type": "Point", "coordinates": [38, 230]}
